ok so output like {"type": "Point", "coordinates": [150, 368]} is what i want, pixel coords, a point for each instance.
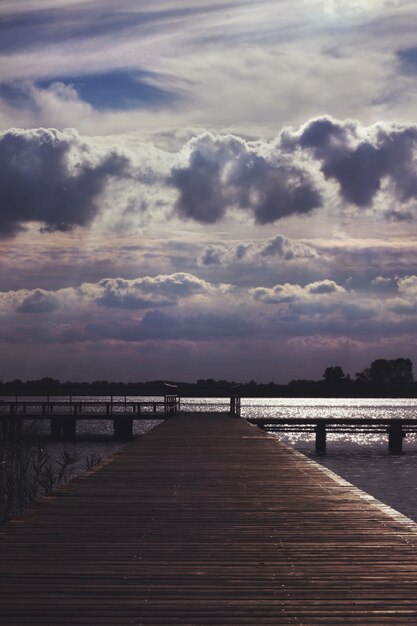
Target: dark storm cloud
{"type": "Point", "coordinates": [226, 171]}
{"type": "Point", "coordinates": [40, 183]}
{"type": "Point", "coordinates": [360, 158]}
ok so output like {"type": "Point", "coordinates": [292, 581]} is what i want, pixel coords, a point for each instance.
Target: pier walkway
{"type": "Point", "coordinates": [203, 522]}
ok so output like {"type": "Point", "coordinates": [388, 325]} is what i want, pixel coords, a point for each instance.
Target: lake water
{"type": "Point", "coordinates": [361, 459]}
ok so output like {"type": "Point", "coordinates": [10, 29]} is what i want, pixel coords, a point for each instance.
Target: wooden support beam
{"type": "Point", "coordinates": [69, 428]}
{"type": "Point", "coordinates": [321, 437]}
{"type": "Point", "coordinates": [123, 428]}
{"type": "Point", "coordinates": [395, 437]}
{"type": "Point", "coordinates": [56, 428]}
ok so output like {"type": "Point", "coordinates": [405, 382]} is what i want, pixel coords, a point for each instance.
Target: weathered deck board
{"type": "Point", "coordinates": [204, 522]}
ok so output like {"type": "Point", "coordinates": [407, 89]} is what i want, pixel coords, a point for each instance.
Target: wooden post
{"type": "Point", "coordinates": [56, 428]}
{"type": "Point", "coordinates": [18, 424]}
{"type": "Point", "coordinates": [321, 438]}
{"type": "Point", "coordinates": [395, 437]}
{"type": "Point", "coordinates": [69, 427]}
{"type": "Point", "coordinates": [235, 405]}
{"type": "Point", "coordinates": [123, 428]}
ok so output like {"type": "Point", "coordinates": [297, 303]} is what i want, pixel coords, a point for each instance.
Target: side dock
{"type": "Point", "coordinates": [203, 522]}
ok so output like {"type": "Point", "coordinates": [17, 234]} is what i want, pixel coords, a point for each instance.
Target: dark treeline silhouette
{"type": "Point", "coordinates": [383, 378]}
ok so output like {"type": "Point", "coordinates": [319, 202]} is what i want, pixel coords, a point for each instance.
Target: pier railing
{"type": "Point", "coordinates": [92, 408]}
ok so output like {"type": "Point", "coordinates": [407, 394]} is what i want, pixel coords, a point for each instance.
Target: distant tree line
{"type": "Point", "coordinates": [383, 378]}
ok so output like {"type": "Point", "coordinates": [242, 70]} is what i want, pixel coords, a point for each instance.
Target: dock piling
{"type": "Point", "coordinates": [395, 437]}
{"type": "Point", "coordinates": [321, 437]}
{"type": "Point", "coordinates": [69, 428]}
{"type": "Point", "coordinates": [123, 428]}
{"type": "Point", "coordinates": [56, 428]}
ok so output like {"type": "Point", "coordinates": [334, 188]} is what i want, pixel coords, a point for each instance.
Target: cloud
{"type": "Point", "coordinates": [201, 326]}
{"type": "Point", "coordinates": [383, 284]}
{"type": "Point", "coordinates": [407, 286]}
{"type": "Point", "coordinates": [408, 60]}
{"type": "Point", "coordinates": [291, 292]}
{"type": "Point", "coordinates": [155, 325]}
{"type": "Point", "coordinates": [361, 159]}
{"type": "Point", "coordinates": [61, 180]}
{"type": "Point", "coordinates": [222, 172]}
{"type": "Point", "coordinates": [118, 90]}
{"type": "Point", "coordinates": [50, 177]}
{"type": "Point", "coordinates": [278, 247]}
{"type": "Point", "coordinates": [161, 290]}
{"type": "Point", "coordinates": [324, 287]}
{"type": "Point", "coordinates": [39, 301]}
{"type": "Point", "coordinates": [121, 293]}
{"type": "Point", "coordinates": [290, 176]}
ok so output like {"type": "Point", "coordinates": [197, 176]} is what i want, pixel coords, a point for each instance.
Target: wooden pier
{"type": "Point", "coordinates": [208, 522]}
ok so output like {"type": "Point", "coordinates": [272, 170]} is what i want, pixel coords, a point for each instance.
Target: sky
{"type": "Point", "coordinates": [206, 188]}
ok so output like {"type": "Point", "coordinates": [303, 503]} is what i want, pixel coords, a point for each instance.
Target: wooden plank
{"type": "Point", "coordinates": [208, 521]}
